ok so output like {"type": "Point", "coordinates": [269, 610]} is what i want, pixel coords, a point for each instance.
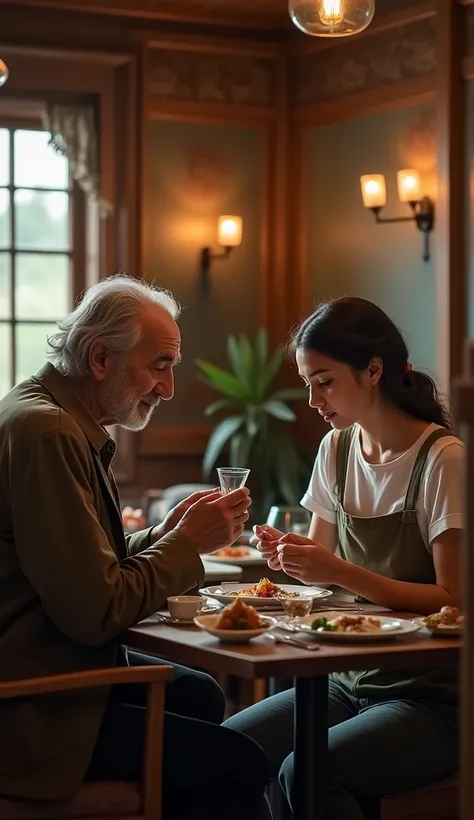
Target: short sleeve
{"type": "Point", "coordinates": [443, 490]}
{"type": "Point", "coordinates": [320, 497]}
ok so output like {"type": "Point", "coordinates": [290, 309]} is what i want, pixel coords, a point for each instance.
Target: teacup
{"type": "Point", "coordinates": [184, 607]}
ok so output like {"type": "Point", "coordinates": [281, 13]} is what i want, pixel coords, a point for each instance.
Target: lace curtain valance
{"type": "Point", "coordinates": [74, 134]}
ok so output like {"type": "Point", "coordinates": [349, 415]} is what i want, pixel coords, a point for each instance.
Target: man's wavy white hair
{"type": "Point", "coordinates": [109, 310]}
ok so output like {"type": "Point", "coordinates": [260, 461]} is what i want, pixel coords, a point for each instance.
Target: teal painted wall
{"type": "Point", "coordinates": [196, 173]}
{"type": "Point", "coordinates": [349, 254]}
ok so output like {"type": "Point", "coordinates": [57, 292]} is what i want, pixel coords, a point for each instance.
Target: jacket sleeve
{"type": "Point", "coordinates": [138, 541]}
{"type": "Point", "coordinates": [66, 555]}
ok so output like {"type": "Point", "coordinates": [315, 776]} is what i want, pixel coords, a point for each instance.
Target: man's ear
{"type": "Point", "coordinates": [98, 359]}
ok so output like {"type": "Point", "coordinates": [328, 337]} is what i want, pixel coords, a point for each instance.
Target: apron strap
{"type": "Point", "coordinates": [419, 467]}
{"type": "Point", "coordinates": [342, 457]}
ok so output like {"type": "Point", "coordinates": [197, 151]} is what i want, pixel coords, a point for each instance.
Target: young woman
{"type": "Point", "coordinates": [386, 489]}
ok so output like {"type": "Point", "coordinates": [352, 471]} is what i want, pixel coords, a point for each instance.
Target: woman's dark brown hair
{"type": "Point", "coordinates": [354, 331]}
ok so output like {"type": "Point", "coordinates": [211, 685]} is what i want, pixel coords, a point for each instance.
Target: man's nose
{"type": "Point", "coordinates": [165, 386]}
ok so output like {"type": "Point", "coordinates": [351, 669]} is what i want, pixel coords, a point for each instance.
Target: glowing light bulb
{"type": "Point", "coordinates": [331, 18]}
{"type": "Point", "coordinates": [3, 73]}
{"type": "Point", "coordinates": [331, 13]}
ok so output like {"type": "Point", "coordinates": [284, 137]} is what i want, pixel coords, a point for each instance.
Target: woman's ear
{"type": "Point", "coordinates": [375, 370]}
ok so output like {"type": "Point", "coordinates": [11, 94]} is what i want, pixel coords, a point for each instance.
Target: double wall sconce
{"type": "Point", "coordinates": [229, 235]}
{"type": "Point", "coordinates": [374, 196]}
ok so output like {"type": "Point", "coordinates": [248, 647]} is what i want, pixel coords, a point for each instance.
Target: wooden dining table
{"type": "Point", "coordinates": [264, 658]}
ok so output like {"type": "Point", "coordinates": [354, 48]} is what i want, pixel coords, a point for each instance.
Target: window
{"type": "Point", "coordinates": [35, 250]}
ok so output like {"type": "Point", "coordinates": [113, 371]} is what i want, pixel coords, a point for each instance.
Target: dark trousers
{"type": "Point", "coordinates": [208, 771]}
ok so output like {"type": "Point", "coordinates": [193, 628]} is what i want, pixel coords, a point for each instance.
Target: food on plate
{"type": "Point", "coordinates": [232, 552]}
{"type": "Point", "coordinates": [448, 616]}
{"type": "Point", "coordinates": [347, 623]}
{"type": "Point", "coordinates": [264, 589]}
{"type": "Point", "coordinates": [239, 616]}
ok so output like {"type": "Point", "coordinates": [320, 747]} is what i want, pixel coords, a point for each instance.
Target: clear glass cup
{"type": "Point", "coordinates": [296, 607]}
{"type": "Point", "coordinates": [231, 478]}
{"type": "Point", "coordinates": [289, 519]}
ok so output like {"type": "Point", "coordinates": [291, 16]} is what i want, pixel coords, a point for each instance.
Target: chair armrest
{"type": "Point", "coordinates": [85, 680]}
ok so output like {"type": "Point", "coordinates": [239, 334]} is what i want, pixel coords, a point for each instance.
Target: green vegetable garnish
{"type": "Point", "coordinates": [323, 623]}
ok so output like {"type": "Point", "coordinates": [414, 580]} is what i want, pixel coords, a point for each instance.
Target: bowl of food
{"type": "Point", "coordinates": [237, 623]}
{"type": "Point", "coordinates": [448, 621]}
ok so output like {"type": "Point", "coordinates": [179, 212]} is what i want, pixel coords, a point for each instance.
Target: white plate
{"type": "Point", "coordinates": [208, 622]}
{"type": "Point", "coordinates": [221, 593]}
{"type": "Point", "coordinates": [442, 630]}
{"type": "Point", "coordinates": [254, 557]}
{"type": "Point", "coordinates": [390, 628]}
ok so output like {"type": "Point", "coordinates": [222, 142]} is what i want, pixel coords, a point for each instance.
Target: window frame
{"type": "Point", "coordinates": [77, 224]}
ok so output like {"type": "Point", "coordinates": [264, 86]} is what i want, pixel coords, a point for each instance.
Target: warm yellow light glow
{"type": "Point", "coordinates": [331, 12]}
{"type": "Point", "coordinates": [229, 231]}
{"type": "Point", "coordinates": [374, 192]}
{"type": "Point", "coordinates": [409, 185]}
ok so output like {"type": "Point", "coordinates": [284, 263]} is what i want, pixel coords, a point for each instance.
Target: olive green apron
{"type": "Point", "coordinates": [392, 546]}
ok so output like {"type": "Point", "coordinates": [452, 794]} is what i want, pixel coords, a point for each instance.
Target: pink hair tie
{"type": "Point", "coordinates": [408, 367]}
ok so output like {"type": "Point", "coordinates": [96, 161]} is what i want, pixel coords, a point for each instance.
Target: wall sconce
{"type": "Point", "coordinates": [229, 235]}
{"type": "Point", "coordinates": [374, 196]}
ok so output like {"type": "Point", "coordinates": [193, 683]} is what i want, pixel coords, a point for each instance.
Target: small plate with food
{"type": "Point", "coordinates": [264, 593]}
{"type": "Point", "coordinates": [237, 623]}
{"type": "Point", "coordinates": [448, 621]}
{"type": "Point", "coordinates": [238, 554]}
{"type": "Point", "coordinates": [348, 626]}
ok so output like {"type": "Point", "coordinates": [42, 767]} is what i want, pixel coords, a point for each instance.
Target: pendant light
{"type": "Point", "coordinates": [331, 18]}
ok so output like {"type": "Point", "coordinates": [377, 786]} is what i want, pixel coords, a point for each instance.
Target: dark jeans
{"type": "Point", "coordinates": [376, 747]}
{"type": "Point", "coordinates": [208, 771]}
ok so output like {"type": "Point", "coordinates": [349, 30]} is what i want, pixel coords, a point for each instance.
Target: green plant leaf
{"type": "Point", "coordinates": [279, 410]}
{"type": "Point", "coordinates": [239, 362]}
{"type": "Point", "coordinates": [290, 394]}
{"type": "Point", "coordinates": [217, 405]}
{"type": "Point", "coordinates": [261, 347]}
{"type": "Point", "coordinates": [240, 446]}
{"type": "Point", "coordinates": [288, 469]}
{"type": "Point", "coordinates": [218, 438]}
{"type": "Point", "coordinates": [270, 371]}
{"type": "Point", "coordinates": [221, 380]}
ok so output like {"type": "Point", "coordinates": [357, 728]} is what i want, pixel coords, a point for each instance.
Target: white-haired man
{"type": "Point", "coordinates": [71, 583]}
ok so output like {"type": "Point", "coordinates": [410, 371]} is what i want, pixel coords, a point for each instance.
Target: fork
{"type": "Point", "coordinates": [311, 647]}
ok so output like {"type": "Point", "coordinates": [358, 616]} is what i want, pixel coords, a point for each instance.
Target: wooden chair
{"type": "Point", "coordinates": [96, 800]}
{"type": "Point", "coordinates": [436, 802]}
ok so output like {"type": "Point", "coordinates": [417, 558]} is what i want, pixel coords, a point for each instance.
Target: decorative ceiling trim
{"type": "Point", "coordinates": [243, 17]}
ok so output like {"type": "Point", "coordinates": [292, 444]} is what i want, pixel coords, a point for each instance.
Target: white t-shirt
{"type": "Point", "coordinates": [374, 490]}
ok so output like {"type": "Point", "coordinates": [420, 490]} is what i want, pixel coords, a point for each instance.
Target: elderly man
{"type": "Point", "coordinates": [71, 583]}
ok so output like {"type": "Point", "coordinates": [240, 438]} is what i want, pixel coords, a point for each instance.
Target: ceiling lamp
{"type": "Point", "coordinates": [3, 73]}
{"type": "Point", "coordinates": [331, 18]}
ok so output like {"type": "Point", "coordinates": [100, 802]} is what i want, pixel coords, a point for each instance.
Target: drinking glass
{"type": "Point", "coordinates": [231, 478]}
{"type": "Point", "coordinates": [289, 519]}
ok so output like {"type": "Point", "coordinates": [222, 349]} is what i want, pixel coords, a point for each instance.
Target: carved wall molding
{"type": "Point", "coordinates": [183, 75]}
{"type": "Point", "coordinates": [396, 55]}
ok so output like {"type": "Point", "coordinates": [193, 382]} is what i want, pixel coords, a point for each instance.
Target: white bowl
{"type": "Point", "coordinates": [208, 622]}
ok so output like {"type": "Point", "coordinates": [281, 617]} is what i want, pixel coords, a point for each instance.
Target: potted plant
{"type": "Point", "coordinates": [255, 425]}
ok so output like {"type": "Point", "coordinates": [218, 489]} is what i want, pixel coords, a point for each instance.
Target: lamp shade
{"type": "Point", "coordinates": [331, 18]}
{"type": "Point", "coordinates": [409, 185]}
{"type": "Point", "coordinates": [374, 192]}
{"type": "Point", "coordinates": [229, 231]}
{"type": "Point", "coordinates": [3, 73]}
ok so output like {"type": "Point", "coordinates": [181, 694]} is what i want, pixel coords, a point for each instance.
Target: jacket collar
{"type": "Point", "coordinates": [62, 391]}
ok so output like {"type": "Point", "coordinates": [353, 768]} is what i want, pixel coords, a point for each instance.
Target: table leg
{"type": "Point", "coordinates": [311, 748]}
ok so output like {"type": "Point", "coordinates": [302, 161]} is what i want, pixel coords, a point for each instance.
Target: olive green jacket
{"type": "Point", "coordinates": [70, 581]}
